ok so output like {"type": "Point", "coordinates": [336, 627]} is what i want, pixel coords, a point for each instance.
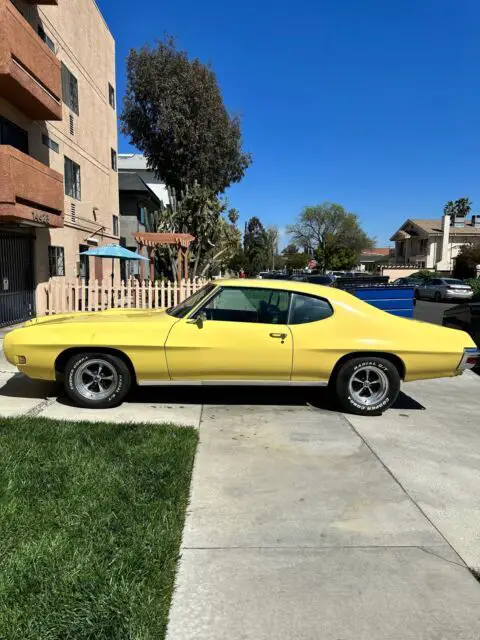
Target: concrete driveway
{"type": "Point", "coordinates": [305, 523]}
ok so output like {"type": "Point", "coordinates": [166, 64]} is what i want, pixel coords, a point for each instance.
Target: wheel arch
{"type": "Point", "coordinates": [66, 354]}
{"type": "Point", "coordinates": [393, 358]}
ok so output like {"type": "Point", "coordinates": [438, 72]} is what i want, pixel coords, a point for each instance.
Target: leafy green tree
{"type": "Point", "coordinates": [225, 244]}
{"type": "Point", "coordinates": [174, 113]}
{"type": "Point", "coordinates": [289, 249]}
{"type": "Point", "coordinates": [329, 231]}
{"type": "Point", "coordinates": [467, 260]}
{"type": "Point", "coordinates": [256, 247]}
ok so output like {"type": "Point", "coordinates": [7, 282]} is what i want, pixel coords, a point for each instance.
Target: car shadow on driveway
{"type": "Point", "coordinates": [19, 386]}
{"type": "Point", "coordinates": [245, 395]}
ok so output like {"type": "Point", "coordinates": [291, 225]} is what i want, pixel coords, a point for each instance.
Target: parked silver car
{"type": "Point", "coordinates": [439, 289]}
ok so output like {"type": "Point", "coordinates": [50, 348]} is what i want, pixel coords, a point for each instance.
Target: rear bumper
{"type": "Point", "coordinates": [470, 360]}
{"type": "Point", "coordinates": [459, 295]}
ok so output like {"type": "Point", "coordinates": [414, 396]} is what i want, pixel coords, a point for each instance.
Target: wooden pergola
{"type": "Point", "coordinates": [151, 241]}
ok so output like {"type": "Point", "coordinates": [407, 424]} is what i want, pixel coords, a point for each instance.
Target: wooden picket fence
{"type": "Point", "coordinates": [78, 295]}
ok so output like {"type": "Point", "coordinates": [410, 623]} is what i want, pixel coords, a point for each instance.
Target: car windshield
{"type": "Point", "coordinates": [453, 281]}
{"type": "Point", "coordinates": [184, 308]}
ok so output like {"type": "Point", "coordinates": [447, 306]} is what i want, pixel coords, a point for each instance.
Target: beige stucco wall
{"type": "Point", "coordinates": [85, 45]}
{"type": "Point", "coordinates": [401, 272]}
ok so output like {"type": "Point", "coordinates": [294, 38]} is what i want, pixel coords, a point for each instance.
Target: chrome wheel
{"type": "Point", "coordinates": [368, 385]}
{"type": "Point", "coordinates": [96, 379]}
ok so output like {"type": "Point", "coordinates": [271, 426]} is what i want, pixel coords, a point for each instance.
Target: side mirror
{"type": "Point", "coordinates": [199, 320]}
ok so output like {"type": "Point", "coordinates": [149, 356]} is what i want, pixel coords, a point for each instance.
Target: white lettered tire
{"type": "Point", "coordinates": [367, 385]}
{"type": "Point", "coordinates": [97, 380]}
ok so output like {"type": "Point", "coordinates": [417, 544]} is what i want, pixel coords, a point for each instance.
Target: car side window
{"type": "Point", "coordinates": [248, 304]}
{"type": "Point", "coordinates": [305, 309]}
{"type": "Point", "coordinates": [436, 281]}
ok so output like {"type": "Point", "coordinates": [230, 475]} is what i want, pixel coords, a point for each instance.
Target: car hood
{"type": "Point", "coordinates": [111, 315]}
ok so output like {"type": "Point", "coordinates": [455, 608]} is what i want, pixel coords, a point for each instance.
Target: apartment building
{"type": "Point", "coordinates": [58, 148]}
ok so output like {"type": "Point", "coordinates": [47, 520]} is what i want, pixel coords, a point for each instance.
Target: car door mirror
{"type": "Point", "coordinates": [198, 320]}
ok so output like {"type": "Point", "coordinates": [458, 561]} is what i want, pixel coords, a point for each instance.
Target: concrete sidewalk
{"type": "Point", "coordinates": [298, 530]}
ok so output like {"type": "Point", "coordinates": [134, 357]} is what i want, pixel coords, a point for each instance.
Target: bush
{"type": "Point", "coordinates": [475, 284]}
{"type": "Point", "coordinates": [426, 274]}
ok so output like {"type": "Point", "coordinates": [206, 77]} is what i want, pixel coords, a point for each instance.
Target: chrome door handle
{"type": "Point", "coordinates": [281, 336]}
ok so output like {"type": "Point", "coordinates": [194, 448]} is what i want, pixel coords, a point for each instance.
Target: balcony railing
{"type": "Point", "coordinates": [30, 75]}
{"type": "Point", "coordinates": [29, 191]}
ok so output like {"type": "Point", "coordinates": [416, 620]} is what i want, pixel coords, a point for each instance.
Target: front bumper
{"type": "Point", "coordinates": [470, 360]}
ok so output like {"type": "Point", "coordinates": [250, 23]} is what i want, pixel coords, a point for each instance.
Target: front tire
{"type": "Point", "coordinates": [438, 296]}
{"type": "Point", "coordinates": [97, 380]}
{"type": "Point", "coordinates": [367, 385]}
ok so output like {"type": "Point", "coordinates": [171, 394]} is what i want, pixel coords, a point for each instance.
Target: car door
{"type": "Point", "coordinates": [428, 290]}
{"type": "Point", "coordinates": [436, 285]}
{"type": "Point", "coordinates": [240, 334]}
{"type": "Point", "coordinates": [315, 337]}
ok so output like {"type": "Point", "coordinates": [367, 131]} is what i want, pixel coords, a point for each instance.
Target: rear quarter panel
{"type": "Point", "coordinates": [427, 351]}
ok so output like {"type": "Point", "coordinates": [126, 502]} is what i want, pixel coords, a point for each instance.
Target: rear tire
{"type": "Point", "coordinates": [367, 386]}
{"type": "Point", "coordinates": [97, 380]}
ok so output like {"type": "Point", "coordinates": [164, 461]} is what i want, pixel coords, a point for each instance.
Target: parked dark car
{"type": "Point", "coordinates": [409, 282]}
{"type": "Point", "coordinates": [465, 317]}
{"type": "Point", "coordinates": [327, 281]}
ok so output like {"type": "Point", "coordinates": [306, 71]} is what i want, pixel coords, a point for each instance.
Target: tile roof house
{"type": "Point", "coordinates": [434, 243]}
{"type": "Point", "coordinates": [371, 258]}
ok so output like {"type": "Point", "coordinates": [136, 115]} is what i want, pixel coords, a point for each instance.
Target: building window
{"type": "Point", "coordinates": [48, 41]}
{"type": "Point", "coordinates": [111, 96]}
{"type": "Point", "coordinates": [70, 89]}
{"type": "Point", "coordinates": [115, 225]}
{"type": "Point", "coordinates": [72, 179]}
{"type": "Point", "coordinates": [13, 135]}
{"type": "Point", "coordinates": [56, 261]}
{"type": "Point", "coordinates": [423, 245]}
{"type": "Point", "coordinates": [83, 263]}
{"type": "Point", "coordinates": [113, 159]}
{"type": "Point", "coordinates": [50, 143]}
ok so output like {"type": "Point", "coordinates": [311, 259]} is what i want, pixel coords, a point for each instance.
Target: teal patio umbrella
{"type": "Point", "coordinates": [115, 252]}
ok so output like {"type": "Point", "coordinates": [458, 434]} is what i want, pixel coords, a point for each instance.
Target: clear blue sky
{"type": "Point", "coordinates": [374, 104]}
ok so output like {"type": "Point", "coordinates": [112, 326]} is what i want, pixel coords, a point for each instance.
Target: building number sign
{"type": "Point", "coordinates": [37, 216]}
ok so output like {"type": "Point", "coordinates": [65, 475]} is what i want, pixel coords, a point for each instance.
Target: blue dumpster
{"type": "Point", "coordinates": [396, 299]}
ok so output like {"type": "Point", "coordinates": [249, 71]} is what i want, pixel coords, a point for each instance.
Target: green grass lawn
{"type": "Point", "coordinates": [91, 518]}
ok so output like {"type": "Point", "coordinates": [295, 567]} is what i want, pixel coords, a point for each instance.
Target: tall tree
{"type": "Point", "coordinates": [174, 113]}
{"type": "Point", "coordinates": [328, 229]}
{"type": "Point", "coordinates": [256, 246]}
{"type": "Point", "coordinates": [273, 237]}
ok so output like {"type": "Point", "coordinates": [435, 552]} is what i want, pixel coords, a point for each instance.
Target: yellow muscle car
{"type": "Point", "coordinates": [242, 332]}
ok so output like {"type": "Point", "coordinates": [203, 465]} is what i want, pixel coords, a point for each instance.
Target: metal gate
{"type": "Point", "coordinates": [17, 291]}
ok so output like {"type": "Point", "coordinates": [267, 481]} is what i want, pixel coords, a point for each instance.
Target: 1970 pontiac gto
{"type": "Point", "coordinates": [242, 332]}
